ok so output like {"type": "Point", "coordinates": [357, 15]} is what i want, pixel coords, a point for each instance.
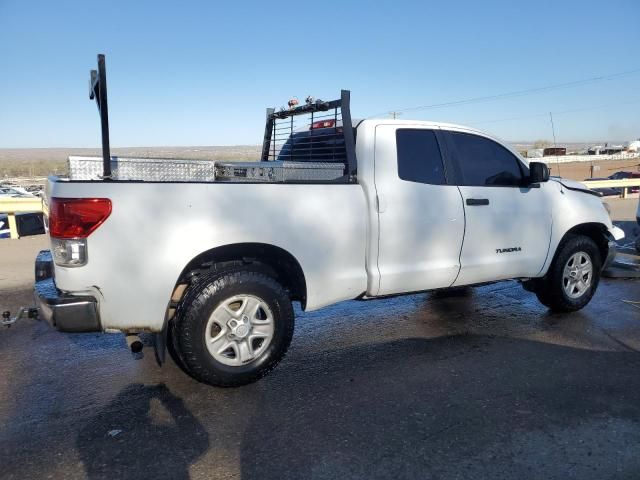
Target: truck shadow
{"type": "Point", "coordinates": [463, 406]}
{"type": "Point", "coordinates": [145, 432]}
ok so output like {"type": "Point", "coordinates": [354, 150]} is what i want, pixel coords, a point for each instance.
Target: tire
{"type": "Point", "coordinates": [247, 310]}
{"type": "Point", "coordinates": [559, 292]}
{"type": "Point", "coordinates": [172, 348]}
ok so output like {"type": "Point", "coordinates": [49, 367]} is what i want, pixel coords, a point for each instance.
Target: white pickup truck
{"type": "Point", "coordinates": [213, 267]}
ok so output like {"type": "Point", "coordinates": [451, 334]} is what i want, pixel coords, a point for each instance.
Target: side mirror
{"type": "Point", "coordinates": [538, 172]}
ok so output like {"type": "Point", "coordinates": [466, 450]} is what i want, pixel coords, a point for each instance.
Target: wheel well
{"type": "Point", "coordinates": [597, 232]}
{"type": "Point", "coordinates": [273, 260]}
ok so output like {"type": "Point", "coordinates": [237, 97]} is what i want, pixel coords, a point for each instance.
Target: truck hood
{"type": "Point", "coordinates": [573, 185]}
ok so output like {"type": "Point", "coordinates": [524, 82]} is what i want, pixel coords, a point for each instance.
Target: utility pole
{"type": "Point", "coordinates": [553, 130]}
{"type": "Point", "coordinates": [394, 115]}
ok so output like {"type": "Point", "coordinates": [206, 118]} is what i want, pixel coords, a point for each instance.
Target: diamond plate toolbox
{"type": "Point", "coordinates": [147, 169]}
{"type": "Point", "coordinates": [278, 171]}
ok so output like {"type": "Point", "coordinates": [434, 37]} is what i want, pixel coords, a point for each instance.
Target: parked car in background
{"type": "Point", "coordinates": [624, 175]}
{"type": "Point", "coordinates": [4, 226]}
{"type": "Point", "coordinates": [616, 191]}
{"type": "Point", "coordinates": [27, 224]}
{"type": "Point", "coordinates": [605, 191]}
{"type": "Point", "coordinates": [30, 223]}
{"type": "Point", "coordinates": [14, 191]}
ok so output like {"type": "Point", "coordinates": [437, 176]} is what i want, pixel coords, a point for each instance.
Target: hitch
{"type": "Point", "coordinates": [24, 312]}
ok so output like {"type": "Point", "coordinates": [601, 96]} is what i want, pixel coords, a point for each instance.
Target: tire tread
{"type": "Point", "coordinates": [550, 291]}
{"type": "Point", "coordinates": [189, 317]}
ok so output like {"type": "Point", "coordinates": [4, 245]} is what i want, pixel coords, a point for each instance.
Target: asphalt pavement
{"type": "Point", "coordinates": [475, 383]}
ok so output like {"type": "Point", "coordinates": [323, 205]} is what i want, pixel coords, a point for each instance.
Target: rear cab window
{"type": "Point", "coordinates": [316, 145]}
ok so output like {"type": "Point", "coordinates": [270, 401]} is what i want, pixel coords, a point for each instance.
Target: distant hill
{"type": "Point", "coordinates": [17, 162]}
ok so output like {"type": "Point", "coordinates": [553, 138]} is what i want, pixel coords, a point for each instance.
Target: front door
{"type": "Point", "coordinates": [508, 224]}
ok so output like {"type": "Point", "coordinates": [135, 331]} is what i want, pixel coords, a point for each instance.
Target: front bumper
{"type": "Point", "coordinates": [65, 312]}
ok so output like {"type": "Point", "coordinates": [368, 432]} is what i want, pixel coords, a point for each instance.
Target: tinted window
{"type": "Point", "coordinates": [483, 162]}
{"type": "Point", "coordinates": [419, 158]}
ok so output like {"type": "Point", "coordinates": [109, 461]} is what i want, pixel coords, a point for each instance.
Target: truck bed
{"type": "Point", "coordinates": [163, 226]}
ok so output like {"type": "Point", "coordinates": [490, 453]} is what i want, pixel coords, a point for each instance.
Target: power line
{"type": "Point", "coordinates": [516, 93]}
{"type": "Point", "coordinates": [562, 112]}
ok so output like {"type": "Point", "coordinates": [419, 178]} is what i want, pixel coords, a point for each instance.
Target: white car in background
{"type": "Point", "coordinates": [14, 192]}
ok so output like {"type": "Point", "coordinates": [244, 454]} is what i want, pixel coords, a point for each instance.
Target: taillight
{"type": "Point", "coordinates": [71, 221]}
{"type": "Point", "coordinates": [77, 217]}
{"type": "Point", "coordinates": [323, 124]}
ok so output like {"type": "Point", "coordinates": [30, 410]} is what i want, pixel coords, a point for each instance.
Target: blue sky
{"type": "Point", "coordinates": [202, 73]}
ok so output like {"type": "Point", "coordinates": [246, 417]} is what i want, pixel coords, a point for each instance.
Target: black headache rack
{"type": "Point", "coordinates": [310, 143]}
{"type": "Point", "coordinates": [318, 132]}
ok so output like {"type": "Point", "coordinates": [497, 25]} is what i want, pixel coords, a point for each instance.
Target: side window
{"type": "Point", "coordinates": [419, 157]}
{"type": "Point", "coordinates": [483, 162]}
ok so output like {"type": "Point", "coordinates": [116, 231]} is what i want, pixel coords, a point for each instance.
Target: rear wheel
{"type": "Point", "coordinates": [234, 328]}
{"type": "Point", "coordinates": [573, 276]}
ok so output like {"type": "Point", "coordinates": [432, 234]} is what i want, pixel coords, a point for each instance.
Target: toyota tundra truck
{"type": "Point", "coordinates": [212, 266]}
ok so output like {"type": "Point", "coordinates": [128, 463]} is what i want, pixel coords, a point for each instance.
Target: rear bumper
{"type": "Point", "coordinates": [65, 312]}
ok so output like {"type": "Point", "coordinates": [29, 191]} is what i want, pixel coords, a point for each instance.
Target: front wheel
{"type": "Point", "coordinates": [573, 276]}
{"type": "Point", "coordinates": [234, 328]}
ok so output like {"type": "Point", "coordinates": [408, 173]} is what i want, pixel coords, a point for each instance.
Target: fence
{"type": "Point", "coordinates": [551, 159]}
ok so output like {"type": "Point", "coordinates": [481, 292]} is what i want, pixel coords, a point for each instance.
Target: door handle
{"type": "Point", "coordinates": [477, 201]}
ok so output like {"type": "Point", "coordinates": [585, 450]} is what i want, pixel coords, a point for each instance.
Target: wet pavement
{"type": "Point", "coordinates": [480, 383]}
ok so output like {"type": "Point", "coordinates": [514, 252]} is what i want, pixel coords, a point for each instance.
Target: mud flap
{"type": "Point", "coordinates": [160, 346]}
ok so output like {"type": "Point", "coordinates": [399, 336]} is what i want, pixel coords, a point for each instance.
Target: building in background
{"type": "Point", "coordinates": [554, 151]}
{"type": "Point", "coordinates": [535, 153]}
{"type": "Point", "coordinates": [595, 150]}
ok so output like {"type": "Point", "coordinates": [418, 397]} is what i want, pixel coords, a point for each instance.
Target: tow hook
{"type": "Point", "coordinates": [24, 312]}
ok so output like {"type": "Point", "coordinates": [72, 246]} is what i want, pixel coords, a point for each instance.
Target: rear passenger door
{"type": "Point", "coordinates": [508, 223]}
{"type": "Point", "coordinates": [421, 217]}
